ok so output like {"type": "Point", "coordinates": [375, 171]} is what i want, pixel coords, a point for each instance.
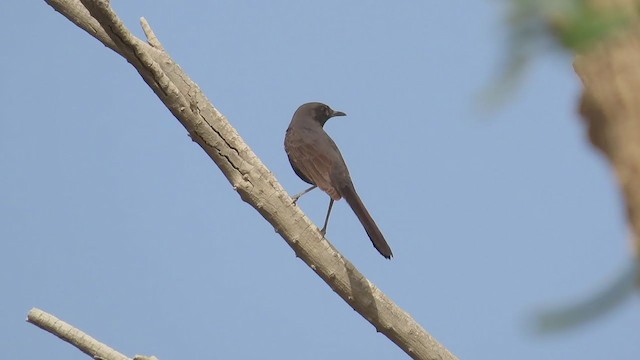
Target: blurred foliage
{"type": "Point", "coordinates": [573, 24]}
{"type": "Point", "coordinates": [535, 27]}
{"type": "Point", "coordinates": [538, 26]}
{"type": "Point", "coordinates": [603, 301]}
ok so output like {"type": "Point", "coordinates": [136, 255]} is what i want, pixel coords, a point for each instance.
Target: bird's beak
{"type": "Point", "coordinates": [338, 113]}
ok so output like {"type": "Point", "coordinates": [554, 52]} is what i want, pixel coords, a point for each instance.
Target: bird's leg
{"type": "Point", "coordinates": [326, 220]}
{"type": "Point", "coordinates": [297, 196]}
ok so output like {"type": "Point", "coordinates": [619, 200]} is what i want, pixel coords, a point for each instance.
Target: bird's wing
{"type": "Point", "coordinates": [315, 166]}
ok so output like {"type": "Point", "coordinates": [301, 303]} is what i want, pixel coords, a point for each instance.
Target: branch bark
{"type": "Point", "coordinates": [248, 176]}
{"type": "Point", "coordinates": [77, 338]}
{"type": "Point", "coordinates": [73, 336]}
{"type": "Point", "coordinates": [610, 106]}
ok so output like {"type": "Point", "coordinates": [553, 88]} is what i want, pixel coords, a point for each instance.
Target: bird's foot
{"type": "Point", "coordinates": [297, 196]}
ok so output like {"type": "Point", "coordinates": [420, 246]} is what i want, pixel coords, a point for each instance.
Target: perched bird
{"type": "Point", "coordinates": [315, 158]}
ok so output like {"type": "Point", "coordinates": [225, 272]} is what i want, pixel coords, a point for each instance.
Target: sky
{"type": "Point", "coordinates": [112, 219]}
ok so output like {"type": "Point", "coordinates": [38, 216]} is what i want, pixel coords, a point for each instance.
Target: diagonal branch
{"type": "Point", "coordinates": [77, 337]}
{"type": "Point", "coordinates": [73, 336]}
{"type": "Point", "coordinates": [249, 177]}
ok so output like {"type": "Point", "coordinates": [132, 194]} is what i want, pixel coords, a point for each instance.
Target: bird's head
{"type": "Point", "coordinates": [319, 112]}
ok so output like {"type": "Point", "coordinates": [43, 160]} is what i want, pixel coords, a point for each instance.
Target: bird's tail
{"type": "Point", "coordinates": [349, 194]}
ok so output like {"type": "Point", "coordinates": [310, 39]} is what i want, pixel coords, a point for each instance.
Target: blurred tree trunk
{"type": "Point", "coordinates": [610, 104]}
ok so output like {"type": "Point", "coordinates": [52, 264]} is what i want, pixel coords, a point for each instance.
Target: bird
{"type": "Point", "coordinates": [316, 159]}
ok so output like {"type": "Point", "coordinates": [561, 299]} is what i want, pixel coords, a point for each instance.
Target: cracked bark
{"type": "Point", "coordinates": [249, 177]}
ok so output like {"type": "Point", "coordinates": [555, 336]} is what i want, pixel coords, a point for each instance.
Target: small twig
{"type": "Point", "coordinates": [73, 336]}
{"type": "Point", "coordinates": [151, 36]}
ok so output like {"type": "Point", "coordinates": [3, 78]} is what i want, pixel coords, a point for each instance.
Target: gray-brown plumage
{"type": "Point", "coordinates": [315, 158]}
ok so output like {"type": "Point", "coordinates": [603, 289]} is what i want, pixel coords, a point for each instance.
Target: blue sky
{"type": "Point", "coordinates": [113, 220]}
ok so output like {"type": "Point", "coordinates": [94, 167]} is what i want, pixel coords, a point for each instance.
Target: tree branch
{"type": "Point", "coordinates": [73, 336]}
{"type": "Point", "coordinates": [248, 176]}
